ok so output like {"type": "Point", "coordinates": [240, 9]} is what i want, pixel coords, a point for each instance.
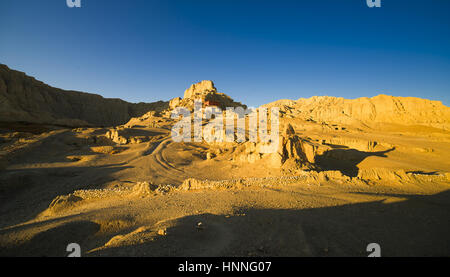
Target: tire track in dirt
{"type": "Point", "coordinates": [153, 160]}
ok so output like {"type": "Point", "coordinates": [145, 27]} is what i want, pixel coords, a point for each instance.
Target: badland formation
{"type": "Point", "coordinates": [106, 174]}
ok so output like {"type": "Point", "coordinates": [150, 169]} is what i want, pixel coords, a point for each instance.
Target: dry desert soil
{"type": "Point", "coordinates": [347, 173]}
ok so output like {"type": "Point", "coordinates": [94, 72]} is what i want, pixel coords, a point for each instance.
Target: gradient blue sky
{"type": "Point", "coordinates": [255, 51]}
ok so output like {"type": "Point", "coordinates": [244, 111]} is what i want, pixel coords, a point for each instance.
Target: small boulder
{"type": "Point", "coordinates": [162, 232]}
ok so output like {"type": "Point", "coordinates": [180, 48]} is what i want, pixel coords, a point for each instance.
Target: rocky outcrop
{"type": "Point", "coordinates": [113, 135]}
{"type": "Point", "coordinates": [122, 135]}
{"type": "Point", "coordinates": [175, 102]}
{"type": "Point", "coordinates": [293, 151]}
{"type": "Point", "coordinates": [201, 88]}
{"type": "Point", "coordinates": [296, 150]}
{"type": "Point", "coordinates": [24, 99]}
{"type": "Point", "coordinates": [207, 93]}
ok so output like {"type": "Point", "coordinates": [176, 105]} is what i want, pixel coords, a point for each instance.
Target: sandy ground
{"type": "Point", "coordinates": [59, 186]}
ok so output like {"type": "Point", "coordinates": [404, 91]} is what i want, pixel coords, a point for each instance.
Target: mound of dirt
{"type": "Point", "coordinates": [63, 202]}
{"type": "Point", "coordinates": [144, 189]}
{"type": "Point", "coordinates": [102, 149]}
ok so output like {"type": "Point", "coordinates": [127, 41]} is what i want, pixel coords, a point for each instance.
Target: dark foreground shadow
{"type": "Point", "coordinates": [54, 241]}
{"type": "Point", "coordinates": [346, 160]}
{"type": "Point", "coordinates": [416, 226]}
{"type": "Point", "coordinates": [24, 193]}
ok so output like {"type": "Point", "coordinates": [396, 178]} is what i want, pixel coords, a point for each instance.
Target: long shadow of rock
{"type": "Point", "coordinates": [54, 241]}
{"type": "Point", "coordinates": [346, 160]}
{"type": "Point", "coordinates": [25, 193]}
{"type": "Point", "coordinates": [416, 226]}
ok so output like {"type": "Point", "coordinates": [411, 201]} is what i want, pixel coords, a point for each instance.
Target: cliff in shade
{"type": "Point", "coordinates": [25, 99]}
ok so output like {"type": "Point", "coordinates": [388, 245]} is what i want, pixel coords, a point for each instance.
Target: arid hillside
{"type": "Point", "coordinates": [367, 111]}
{"type": "Point", "coordinates": [24, 99]}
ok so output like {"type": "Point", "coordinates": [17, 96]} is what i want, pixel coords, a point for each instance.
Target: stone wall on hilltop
{"type": "Point", "coordinates": [204, 91]}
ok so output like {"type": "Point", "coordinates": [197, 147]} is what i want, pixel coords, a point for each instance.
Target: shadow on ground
{"type": "Point", "coordinates": [415, 226]}
{"type": "Point", "coordinates": [346, 160]}
{"type": "Point", "coordinates": [24, 193]}
{"type": "Point", "coordinates": [418, 226]}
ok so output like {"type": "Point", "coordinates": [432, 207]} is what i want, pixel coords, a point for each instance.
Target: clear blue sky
{"type": "Point", "coordinates": [255, 51]}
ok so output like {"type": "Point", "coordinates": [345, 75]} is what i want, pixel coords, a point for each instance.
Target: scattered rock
{"type": "Point", "coordinates": [199, 226]}
{"type": "Point", "coordinates": [162, 232]}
